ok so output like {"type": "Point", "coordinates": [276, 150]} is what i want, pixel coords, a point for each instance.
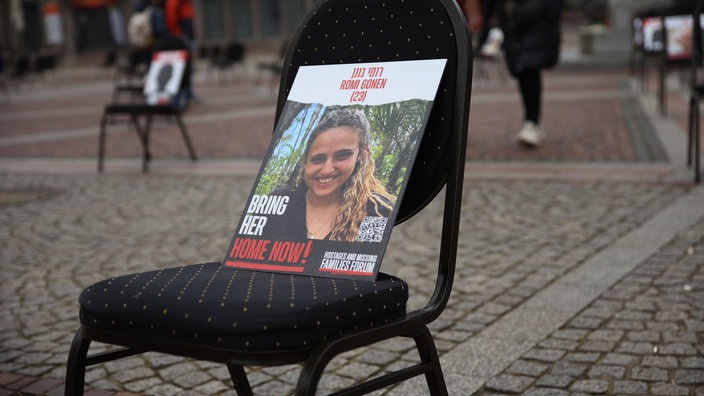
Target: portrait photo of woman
{"type": "Point", "coordinates": [335, 188]}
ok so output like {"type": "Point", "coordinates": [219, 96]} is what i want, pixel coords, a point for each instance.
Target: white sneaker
{"type": "Point", "coordinates": [492, 46]}
{"type": "Point", "coordinates": [531, 134]}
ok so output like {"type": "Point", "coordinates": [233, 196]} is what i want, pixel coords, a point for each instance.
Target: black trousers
{"type": "Point", "coordinates": [531, 86]}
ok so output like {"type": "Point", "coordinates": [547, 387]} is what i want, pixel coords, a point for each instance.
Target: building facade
{"type": "Point", "coordinates": [73, 27]}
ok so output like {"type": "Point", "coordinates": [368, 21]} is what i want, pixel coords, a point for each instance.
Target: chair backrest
{"type": "Point", "coordinates": [234, 53]}
{"type": "Point", "coordinates": [697, 43]}
{"type": "Point", "coordinates": [343, 31]}
{"type": "Point", "coordinates": [676, 22]}
{"type": "Point", "coordinates": [171, 43]}
{"type": "Point", "coordinates": [339, 32]}
{"type": "Point", "coordinates": [647, 29]}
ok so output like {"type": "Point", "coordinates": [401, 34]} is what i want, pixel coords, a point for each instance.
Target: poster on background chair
{"type": "Point", "coordinates": [163, 80]}
{"type": "Point", "coordinates": [327, 194]}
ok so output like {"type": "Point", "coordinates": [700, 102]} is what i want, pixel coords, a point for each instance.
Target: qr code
{"type": "Point", "coordinates": [372, 229]}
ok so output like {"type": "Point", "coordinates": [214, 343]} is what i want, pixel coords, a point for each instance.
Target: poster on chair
{"type": "Point", "coordinates": [163, 80]}
{"type": "Point", "coordinates": [328, 191]}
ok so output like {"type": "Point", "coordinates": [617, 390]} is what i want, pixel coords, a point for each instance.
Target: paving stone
{"type": "Point", "coordinates": [582, 357]}
{"type": "Point", "coordinates": [668, 389]}
{"type": "Point", "coordinates": [544, 355]}
{"type": "Point", "coordinates": [621, 324]}
{"type": "Point", "coordinates": [636, 348]}
{"type": "Point", "coordinates": [590, 386]}
{"type": "Point", "coordinates": [142, 385]}
{"type": "Point", "coordinates": [523, 367]}
{"type": "Point", "coordinates": [619, 359]}
{"type": "Point", "coordinates": [42, 386]}
{"type": "Point", "coordinates": [649, 374]}
{"type": "Point", "coordinates": [678, 349]}
{"type": "Point", "coordinates": [597, 346]}
{"type": "Point", "coordinates": [649, 336]}
{"type": "Point", "coordinates": [570, 369]}
{"type": "Point", "coordinates": [606, 335]}
{"type": "Point", "coordinates": [555, 343]}
{"type": "Point", "coordinates": [685, 337]}
{"type": "Point", "coordinates": [689, 377]}
{"type": "Point", "coordinates": [660, 361]}
{"type": "Point", "coordinates": [607, 372]}
{"type": "Point", "coordinates": [583, 322]}
{"type": "Point", "coordinates": [570, 334]}
{"type": "Point", "coordinates": [693, 362]}
{"type": "Point", "coordinates": [630, 388]}
{"type": "Point", "coordinates": [555, 381]}
{"type": "Point", "coordinates": [509, 383]}
{"type": "Point", "coordinates": [546, 392]}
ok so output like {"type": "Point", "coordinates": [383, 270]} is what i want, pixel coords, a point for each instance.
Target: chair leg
{"type": "Point", "coordinates": [690, 130]}
{"type": "Point", "coordinates": [146, 156]}
{"type": "Point", "coordinates": [430, 362]}
{"type": "Point", "coordinates": [76, 365]}
{"type": "Point", "coordinates": [239, 380]}
{"type": "Point", "coordinates": [429, 354]}
{"type": "Point", "coordinates": [697, 145]}
{"type": "Point", "coordinates": [662, 91]}
{"type": "Point", "coordinates": [101, 142]}
{"type": "Point", "coordinates": [186, 138]}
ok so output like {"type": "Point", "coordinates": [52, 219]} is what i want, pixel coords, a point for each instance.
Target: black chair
{"type": "Point", "coordinates": [206, 311]}
{"type": "Point", "coordinates": [228, 58]}
{"type": "Point", "coordinates": [135, 111]}
{"type": "Point", "coordinates": [646, 51]}
{"type": "Point", "coordinates": [20, 70]}
{"type": "Point", "coordinates": [696, 94]}
{"type": "Point", "coordinates": [133, 68]}
{"type": "Point", "coordinates": [669, 59]}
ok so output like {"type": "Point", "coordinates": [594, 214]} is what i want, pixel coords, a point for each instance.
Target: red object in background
{"type": "Point", "coordinates": [92, 3]}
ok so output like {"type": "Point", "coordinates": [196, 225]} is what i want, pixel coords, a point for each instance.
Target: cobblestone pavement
{"type": "Point", "coordinates": [580, 265]}
{"type": "Point", "coordinates": [63, 233]}
{"type": "Point", "coordinates": [643, 336]}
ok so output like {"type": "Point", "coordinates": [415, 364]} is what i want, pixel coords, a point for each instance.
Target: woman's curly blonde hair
{"type": "Point", "coordinates": [362, 189]}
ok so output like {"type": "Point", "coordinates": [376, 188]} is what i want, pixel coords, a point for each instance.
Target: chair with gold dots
{"type": "Point", "coordinates": [247, 318]}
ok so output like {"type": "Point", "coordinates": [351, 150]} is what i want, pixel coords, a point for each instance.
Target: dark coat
{"type": "Point", "coordinates": [531, 33]}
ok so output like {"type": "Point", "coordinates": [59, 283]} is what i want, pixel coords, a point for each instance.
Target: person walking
{"type": "Point", "coordinates": [532, 35]}
{"type": "Point", "coordinates": [179, 16]}
{"type": "Point", "coordinates": [473, 12]}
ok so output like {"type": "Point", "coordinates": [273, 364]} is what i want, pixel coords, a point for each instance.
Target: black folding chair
{"type": "Point", "coordinates": [670, 61]}
{"type": "Point", "coordinates": [696, 94]}
{"type": "Point", "coordinates": [231, 55]}
{"type": "Point", "coordinates": [243, 317]}
{"type": "Point", "coordinates": [136, 110]}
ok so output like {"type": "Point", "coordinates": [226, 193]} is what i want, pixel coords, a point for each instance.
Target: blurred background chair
{"type": "Point", "coordinates": [141, 113]}
{"type": "Point", "coordinates": [696, 93]}
{"type": "Point", "coordinates": [228, 58]}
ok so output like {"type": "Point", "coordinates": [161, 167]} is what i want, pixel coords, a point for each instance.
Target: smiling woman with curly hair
{"type": "Point", "coordinates": [336, 188]}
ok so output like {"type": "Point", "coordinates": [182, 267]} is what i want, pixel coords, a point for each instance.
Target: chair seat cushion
{"type": "Point", "coordinates": [210, 304]}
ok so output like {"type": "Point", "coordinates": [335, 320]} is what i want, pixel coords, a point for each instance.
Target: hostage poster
{"type": "Point", "coordinates": [327, 194]}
